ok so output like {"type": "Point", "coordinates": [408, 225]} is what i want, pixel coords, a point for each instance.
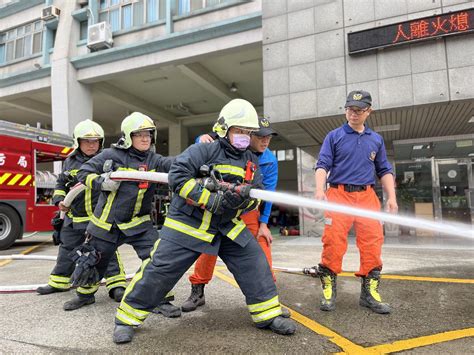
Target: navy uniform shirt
{"type": "Point", "coordinates": [352, 157]}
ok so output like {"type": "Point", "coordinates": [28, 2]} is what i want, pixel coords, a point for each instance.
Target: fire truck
{"type": "Point", "coordinates": [27, 181]}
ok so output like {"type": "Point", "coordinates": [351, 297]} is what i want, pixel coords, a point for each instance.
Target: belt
{"type": "Point", "coordinates": [351, 188]}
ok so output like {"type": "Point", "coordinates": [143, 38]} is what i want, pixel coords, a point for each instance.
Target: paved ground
{"type": "Point", "coordinates": [429, 283]}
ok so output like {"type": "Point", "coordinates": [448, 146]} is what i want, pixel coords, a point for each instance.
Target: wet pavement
{"type": "Point", "coordinates": [428, 282]}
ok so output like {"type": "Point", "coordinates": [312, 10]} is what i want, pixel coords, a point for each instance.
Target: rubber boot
{"type": "Point", "coordinates": [123, 333]}
{"type": "Point", "coordinates": [328, 283]}
{"type": "Point", "coordinates": [369, 293]}
{"type": "Point", "coordinates": [117, 293]}
{"type": "Point", "coordinates": [196, 298]}
{"type": "Point", "coordinates": [168, 310]}
{"type": "Point", "coordinates": [78, 302]}
{"type": "Point", "coordinates": [46, 290]}
{"type": "Point", "coordinates": [279, 325]}
{"type": "Point", "coordinates": [285, 313]}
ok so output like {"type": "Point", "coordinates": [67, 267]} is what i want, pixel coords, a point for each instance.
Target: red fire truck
{"type": "Point", "coordinates": [27, 182]}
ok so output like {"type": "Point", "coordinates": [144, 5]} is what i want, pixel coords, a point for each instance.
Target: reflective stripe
{"type": "Point", "coordinates": [230, 169]}
{"type": "Point", "coordinates": [239, 227]}
{"type": "Point", "coordinates": [59, 193]}
{"type": "Point", "coordinates": [100, 224]}
{"type": "Point", "coordinates": [204, 197]}
{"type": "Point", "coordinates": [262, 306]}
{"type": "Point", "coordinates": [138, 203]}
{"type": "Point", "coordinates": [154, 248]}
{"type": "Point", "coordinates": [57, 278]}
{"type": "Point", "coordinates": [272, 313]}
{"type": "Point", "coordinates": [65, 150]}
{"type": "Point", "coordinates": [25, 180]}
{"type": "Point", "coordinates": [4, 177]}
{"type": "Point", "coordinates": [130, 287]}
{"type": "Point", "coordinates": [115, 278]}
{"type": "Point", "coordinates": [61, 286]}
{"type": "Point", "coordinates": [80, 219]}
{"type": "Point", "coordinates": [88, 202]}
{"type": "Point", "coordinates": [187, 187]}
{"type": "Point", "coordinates": [88, 290]}
{"type": "Point", "coordinates": [73, 172]}
{"type": "Point", "coordinates": [134, 222]}
{"type": "Point", "coordinates": [206, 221]}
{"type": "Point", "coordinates": [184, 228]}
{"type": "Point", "coordinates": [60, 282]}
{"type": "Point", "coordinates": [126, 318]}
{"type": "Point", "coordinates": [107, 207]}
{"type": "Point", "coordinates": [138, 313]}
{"type": "Point", "coordinates": [15, 179]}
{"type": "Point", "coordinates": [89, 179]}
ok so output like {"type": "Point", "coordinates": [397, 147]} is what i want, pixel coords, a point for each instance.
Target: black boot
{"type": "Point", "coordinates": [117, 293]}
{"type": "Point", "coordinates": [328, 283]}
{"type": "Point", "coordinates": [168, 310]}
{"type": "Point", "coordinates": [123, 334]}
{"type": "Point", "coordinates": [279, 325]}
{"type": "Point", "coordinates": [78, 302]}
{"type": "Point", "coordinates": [196, 298]}
{"type": "Point", "coordinates": [369, 293]}
{"type": "Point", "coordinates": [285, 312]}
{"type": "Point", "coordinates": [46, 290]}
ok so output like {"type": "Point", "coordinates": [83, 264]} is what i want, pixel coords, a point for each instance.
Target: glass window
{"type": "Point", "coordinates": [19, 48]}
{"type": "Point", "coordinates": [138, 13]}
{"type": "Point", "coordinates": [28, 45]}
{"type": "Point", "coordinates": [162, 10]}
{"type": "Point", "coordinates": [2, 53]}
{"type": "Point", "coordinates": [83, 30]}
{"type": "Point", "coordinates": [38, 26]}
{"type": "Point", "coordinates": [289, 154]}
{"type": "Point", "coordinates": [37, 39]}
{"type": "Point", "coordinates": [28, 28]}
{"type": "Point", "coordinates": [115, 19]}
{"type": "Point", "coordinates": [183, 7]}
{"type": "Point", "coordinates": [10, 47]}
{"type": "Point", "coordinates": [151, 10]}
{"type": "Point", "coordinates": [126, 16]}
{"type": "Point", "coordinates": [281, 155]}
{"type": "Point", "coordinates": [196, 5]}
{"type": "Point", "coordinates": [20, 31]}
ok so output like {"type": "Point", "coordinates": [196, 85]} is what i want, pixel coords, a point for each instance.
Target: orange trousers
{"type": "Point", "coordinates": [204, 268]}
{"type": "Point", "coordinates": [369, 232]}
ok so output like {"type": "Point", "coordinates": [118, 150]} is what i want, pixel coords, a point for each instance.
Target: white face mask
{"type": "Point", "coordinates": [241, 141]}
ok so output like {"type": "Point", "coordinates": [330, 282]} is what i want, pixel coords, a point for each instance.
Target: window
{"type": "Point", "coordinates": [21, 42]}
{"type": "Point", "coordinates": [186, 6]}
{"type": "Point", "coordinates": [284, 155]}
{"type": "Point", "coordinates": [125, 14]}
{"type": "Point", "coordinates": [83, 30]}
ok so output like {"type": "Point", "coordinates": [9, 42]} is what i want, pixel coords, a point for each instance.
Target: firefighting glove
{"type": "Point", "coordinates": [86, 257]}
{"type": "Point", "coordinates": [215, 203]}
{"type": "Point", "coordinates": [57, 223]}
{"type": "Point", "coordinates": [108, 184]}
{"type": "Point", "coordinates": [234, 201]}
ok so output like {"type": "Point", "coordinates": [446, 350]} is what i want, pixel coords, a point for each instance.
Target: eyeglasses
{"type": "Point", "coordinates": [357, 112]}
{"type": "Point", "coordinates": [261, 138]}
{"type": "Point", "coordinates": [239, 130]}
{"type": "Point", "coordinates": [142, 135]}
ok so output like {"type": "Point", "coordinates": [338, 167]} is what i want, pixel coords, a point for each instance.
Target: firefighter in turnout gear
{"type": "Point", "coordinates": [202, 220]}
{"type": "Point", "coordinates": [122, 214]}
{"type": "Point", "coordinates": [88, 141]}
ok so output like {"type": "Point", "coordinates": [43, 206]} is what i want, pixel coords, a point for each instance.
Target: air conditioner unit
{"type": "Point", "coordinates": [99, 36]}
{"type": "Point", "coordinates": [50, 13]}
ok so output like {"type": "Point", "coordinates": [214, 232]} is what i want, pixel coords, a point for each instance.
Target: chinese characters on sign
{"type": "Point", "coordinates": [409, 31]}
{"type": "Point", "coordinates": [22, 162]}
{"type": "Point", "coordinates": [3, 158]}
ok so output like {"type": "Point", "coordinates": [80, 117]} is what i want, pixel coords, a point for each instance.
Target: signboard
{"type": "Point", "coordinates": [431, 27]}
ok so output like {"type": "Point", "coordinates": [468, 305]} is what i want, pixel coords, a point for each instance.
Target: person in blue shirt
{"type": "Point", "coordinates": [256, 221]}
{"type": "Point", "coordinates": [350, 158]}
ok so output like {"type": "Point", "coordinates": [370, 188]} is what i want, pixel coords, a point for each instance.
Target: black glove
{"type": "Point", "coordinates": [57, 224]}
{"type": "Point", "coordinates": [86, 257]}
{"type": "Point", "coordinates": [215, 203]}
{"type": "Point", "coordinates": [234, 201]}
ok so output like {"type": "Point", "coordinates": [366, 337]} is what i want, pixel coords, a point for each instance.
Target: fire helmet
{"type": "Point", "coordinates": [236, 113]}
{"type": "Point", "coordinates": [88, 130]}
{"type": "Point", "coordinates": [135, 122]}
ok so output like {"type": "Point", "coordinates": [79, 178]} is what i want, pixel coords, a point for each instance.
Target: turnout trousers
{"type": "Point", "coordinates": [61, 275]}
{"type": "Point", "coordinates": [204, 268]}
{"type": "Point", "coordinates": [142, 244]}
{"type": "Point", "coordinates": [170, 261]}
{"type": "Point", "coordinates": [369, 232]}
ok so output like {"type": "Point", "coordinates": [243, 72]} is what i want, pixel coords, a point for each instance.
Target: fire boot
{"type": "Point", "coordinates": [78, 302]}
{"type": "Point", "coordinates": [369, 293]}
{"type": "Point", "coordinates": [328, 283]}
{"type": "Point", "coordinates": [123, 333]}
{"type": "Point", "coordinates": [279, 325]}
{"type": "Point", "coordinates": [285, 312]}
{"type": "Point", "coordinates": [46, 290]}
{"type": "Point", "coordinates": [196, 298]}
{"type": "Point", "coordinates": [168, 310]}
{"type": "Point", "coordinates": [117, 293]}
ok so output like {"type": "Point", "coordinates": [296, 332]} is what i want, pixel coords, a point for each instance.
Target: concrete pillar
{"type": "Point", "coordinates": [177, 138]}
{"type": "Point", "coordinates": [71, 100]}
{"type": "Point", "coordinates": [170, 10]}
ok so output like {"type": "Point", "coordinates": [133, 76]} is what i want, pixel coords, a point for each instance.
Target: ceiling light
{"type": "Point", "coordinates": [465, 143]}
{"type": "Point", "coordinates": [155, 79]}
{"type": "Point", "coordinates": [233, 88]}
{"type": "Point", "coordinates": [418, 147]}
{"type": "Point", "coordinates": [387, 128]}
{"type": "Point", "coordinates": [470, 155]}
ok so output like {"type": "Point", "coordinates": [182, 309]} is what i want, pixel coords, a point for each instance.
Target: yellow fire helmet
{"type": "Point", "coordinates": [239, 113]}
{"type": "Point", "coordinates": [135, 122]}
{"type": "Point", "coordinates": [88, 129]}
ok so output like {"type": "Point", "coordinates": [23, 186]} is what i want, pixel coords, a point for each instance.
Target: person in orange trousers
{"type": "Point", "coordinates": [255, 221]}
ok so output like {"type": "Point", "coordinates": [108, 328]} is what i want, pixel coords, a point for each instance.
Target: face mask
{"type": "Point", "coordinates": [241, 141]}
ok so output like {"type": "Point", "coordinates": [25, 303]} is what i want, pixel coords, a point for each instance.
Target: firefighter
{"type": "Point", "coordinates": [256, 221]}
{"type": "Point", "coordinates": [122, 214]}
{"type": "Point", "coordinates": [353, 154]}
{"type": "Point", "coordinates": [202, 220]}
{"type": "Point", "coordinates": [88, 141]}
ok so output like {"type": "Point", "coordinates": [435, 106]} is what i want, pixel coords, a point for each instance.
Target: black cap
{"type": "Point", "coordinates": [265, 129]}
{"type": "Point", "coordinates": [359, 98]}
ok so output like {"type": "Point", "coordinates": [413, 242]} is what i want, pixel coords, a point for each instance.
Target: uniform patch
{"type": "Point", "coordinates": [357, 97]}
{"type": "Point", "coordinates": [372, 155]}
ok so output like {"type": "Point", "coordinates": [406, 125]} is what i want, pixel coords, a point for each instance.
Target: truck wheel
{"type": "Point", "coordinates": [10, 227]}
